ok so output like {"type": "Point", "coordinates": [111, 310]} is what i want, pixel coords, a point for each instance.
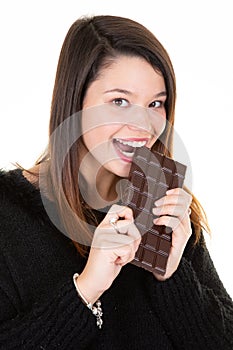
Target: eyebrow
{"type": "Point", "coordinates": [126, 92]}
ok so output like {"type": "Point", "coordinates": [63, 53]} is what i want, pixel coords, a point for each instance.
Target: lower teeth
{"type": "Point", "coordinates": [127, 154]}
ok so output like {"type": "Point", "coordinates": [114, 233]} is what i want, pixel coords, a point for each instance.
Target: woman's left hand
{"type": "Point", "coordinates": [173, 211]}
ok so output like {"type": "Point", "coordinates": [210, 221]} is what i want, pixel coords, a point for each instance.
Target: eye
{"type": "Point", "coordinates": [156, 104]}
{"type": "Point", "coordinates": [121, 102]}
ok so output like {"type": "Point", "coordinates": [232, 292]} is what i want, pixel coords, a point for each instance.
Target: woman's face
{"type": "Point", "coordinates": [123, 109]}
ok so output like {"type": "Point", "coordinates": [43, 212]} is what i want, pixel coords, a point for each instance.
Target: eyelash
{"type": "Point", "coordinates": [119, 99]}
{"type": "Point", "coordinates": [161, 104]}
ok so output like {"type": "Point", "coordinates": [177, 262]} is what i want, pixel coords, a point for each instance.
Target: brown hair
{"type": "Point", "coordinates": [88, 45]}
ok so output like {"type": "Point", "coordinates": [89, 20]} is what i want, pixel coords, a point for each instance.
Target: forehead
{"type": "Point", "coordinates": [131, 70]}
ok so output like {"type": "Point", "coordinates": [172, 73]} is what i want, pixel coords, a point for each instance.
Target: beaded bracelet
{"type": "Point", "coordinates": [95, 309]}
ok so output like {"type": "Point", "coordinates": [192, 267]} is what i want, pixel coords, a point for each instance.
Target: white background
{"type": "Point", "coordinates": [197, 35]}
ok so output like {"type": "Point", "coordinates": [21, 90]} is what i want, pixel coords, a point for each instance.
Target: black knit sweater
{"type": "Point", "coordinates": [40, 309]}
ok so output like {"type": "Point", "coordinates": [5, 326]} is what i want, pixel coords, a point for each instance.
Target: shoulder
{"type": "Point", "coordinates": [16, 189]}
{"type": "Point", "coordinates": [19, 199]}
{"type": "Point", "coordinates": [12, 181]}
{"type": "Point", "coordinates": [7, 179]}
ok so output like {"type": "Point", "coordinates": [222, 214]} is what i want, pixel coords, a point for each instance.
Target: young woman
{"type": "Point", "coordinates": [66, 242]}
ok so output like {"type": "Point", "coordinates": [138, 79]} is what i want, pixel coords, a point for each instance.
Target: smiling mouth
{"type": "Point", "coordinates": [127, 147]}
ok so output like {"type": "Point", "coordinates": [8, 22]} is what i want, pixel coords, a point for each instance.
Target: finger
{"type": "Point", "coordinates": [177, 191]}
{"type": "Point", "coordinates": [104, 239]}
{"type": "Point", "coordinates": [126, 253]}
{"type": "Point", "coordinates": [175, 224]}
{"type": "Point", "coordinates": [129, 228]}
{"type": "Point", "coordinates": [120, 211]}
{"type": "Point", "coordinates": [131, 231]}
{"type": "Point", "coordinates": [170, 200]}
{"type": "Point", "coordinates": [169, 221]}
{"type": "Point", "coordinates": [172, 210]}
{"type": "Point", "coordinates": [179, 197]}
{"type": "Point", "coordinates": [125, 256]}
{"type": "Point", "coordinates": [125, 227]}
{"type": "Point", "coordinates": [136, 235]}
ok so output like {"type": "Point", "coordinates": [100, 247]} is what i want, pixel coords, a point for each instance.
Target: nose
{"type": "Point", "coordinates": [140, 119]}
{"type": "Point", "coordinates": [141, 128]}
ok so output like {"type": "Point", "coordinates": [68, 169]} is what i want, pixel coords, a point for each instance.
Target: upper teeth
{"type": "Point", "coordinates": [132, 143]}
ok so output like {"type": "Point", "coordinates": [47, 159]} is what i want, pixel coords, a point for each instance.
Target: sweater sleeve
{"type": "Point", "coordinates": [59, 321]}
{"type": "Point", "coordinates": [193, 305]}
{"type": "Point", "coordinates": [64, 323]}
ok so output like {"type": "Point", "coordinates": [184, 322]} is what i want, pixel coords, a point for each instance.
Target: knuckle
{"type": "Point", "coordinates": [113, 208]}
{"type": "Point", "coordinates": [129, 211]}
{"type": "Point", "coordinates": [188, 197]}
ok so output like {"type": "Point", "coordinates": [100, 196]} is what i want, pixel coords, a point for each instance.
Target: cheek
{"type": "Point", "coordinates": [158, 124]}
{"type": "Point", "coordinates": [98, 136]}
{"type": "Point", "coordinates": [89, 140]}
{"type": "Point", "coordinates": [158, 127]}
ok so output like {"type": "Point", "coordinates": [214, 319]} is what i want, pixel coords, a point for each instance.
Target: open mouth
{"type": "Point", "coordinates": [126, 148]}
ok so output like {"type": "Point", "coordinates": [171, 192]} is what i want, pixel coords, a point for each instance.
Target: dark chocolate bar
{"type": "Point", "coordinates": [151, 175]}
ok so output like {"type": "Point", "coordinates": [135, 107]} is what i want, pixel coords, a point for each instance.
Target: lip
{"type": "Point", "coordinates": [138, 139]}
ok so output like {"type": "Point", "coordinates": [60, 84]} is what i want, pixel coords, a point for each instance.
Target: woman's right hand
{"type": "Point", "coordinates": [110, 251]}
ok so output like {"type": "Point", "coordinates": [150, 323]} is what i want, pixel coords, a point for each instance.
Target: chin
{"type": "Point", "coordinates": [121, 171]}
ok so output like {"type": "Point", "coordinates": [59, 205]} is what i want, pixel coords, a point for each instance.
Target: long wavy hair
{"type": "Point", "coordinates": [90, 44]}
